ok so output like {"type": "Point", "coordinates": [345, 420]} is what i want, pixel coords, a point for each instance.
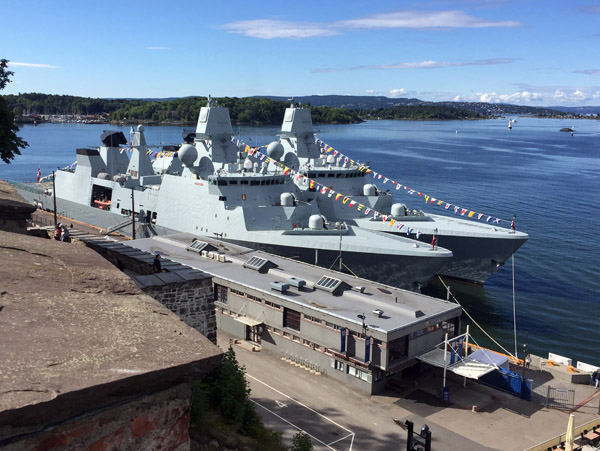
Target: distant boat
{"type": "Point", "coordinates": [510, 124]}
{"type": "Point", "coordinates": [567, 129]}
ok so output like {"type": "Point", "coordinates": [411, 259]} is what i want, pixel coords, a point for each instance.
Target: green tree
{"type": "Point", "coordinates": [231, 392]}
{"type": "Point", "coordinates": [10, 143]}
{"type": "Point", "coordinates": [301, 442]}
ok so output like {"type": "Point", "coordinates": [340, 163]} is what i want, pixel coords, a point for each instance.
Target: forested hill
{"type": "Point", "coordinates": [376, 102]}
{"type": "Point", "coordinates": [256, 110]}
{"type": "Point", "coordinates": [249, 110]}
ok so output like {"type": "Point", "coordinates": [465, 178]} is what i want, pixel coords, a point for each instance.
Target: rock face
{"type": "Point", "coordinates": [14, 210]}
{"type": "Point", "coordinates": [79, 338]}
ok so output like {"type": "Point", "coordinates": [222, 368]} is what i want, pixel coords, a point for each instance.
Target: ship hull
{"type": "Point", "coordinates": [404, 271]}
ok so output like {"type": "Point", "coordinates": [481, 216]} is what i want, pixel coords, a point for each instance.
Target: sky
{"type": "Point", "coordinates": [526, 52]}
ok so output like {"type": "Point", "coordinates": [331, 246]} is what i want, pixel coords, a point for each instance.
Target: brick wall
{"type": "Point", "coordinates": [155, 421]}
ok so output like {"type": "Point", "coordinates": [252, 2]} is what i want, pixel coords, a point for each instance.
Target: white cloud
{"type": "Point", "coordinates": [421, 65]}
{"type": "Point", "coordinates": [397, 92]}
{"type": "Point", "coordinates": [370, 91]}
{"type": "Point", "coordinates": [35, 65]}
{"type": "Point", "coordinates": [280, 29]}
{"type": "Point", "coordinates": [424, 19]}
{"type": "Point", "coordinates": [157, 48]}
{"type": "Point", "coordinates": [273, 29]}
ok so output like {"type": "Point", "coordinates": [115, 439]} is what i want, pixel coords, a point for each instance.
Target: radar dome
{"type": "Point", "coordinates": [275, 150]}
{"type": "Point", "coordinates": [248, 164]}
{"type": "Point", "coordinates": [369, 190]}
{"type": "Point", "coordinates": [187, 154]}
{"type": "Point", "coordinates": [398, 210]}
{"type": "Point", "coordinates": [315, 222]}
{"type": "Point", "coordinates": [140, 128]}
{"type": "Point", "coordinates": [286, 199]}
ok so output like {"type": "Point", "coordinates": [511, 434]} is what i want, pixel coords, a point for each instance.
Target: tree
{"type": "Point", "coordinates": [301, 442]}
{"type": "Point", "coordinates": [10, 143]}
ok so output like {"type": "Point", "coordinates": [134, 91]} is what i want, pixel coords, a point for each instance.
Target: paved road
{"type": "Point", "coordinates": [333, 414]}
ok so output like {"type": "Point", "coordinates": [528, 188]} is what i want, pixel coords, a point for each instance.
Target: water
{"type": "Point", "coordinates": [549, 179]}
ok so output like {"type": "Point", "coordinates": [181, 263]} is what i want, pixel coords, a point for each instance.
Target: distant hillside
{"type": "Point", "coordinates": [577, 109]}
{"type": "Point", "coordinates": [372, 102]}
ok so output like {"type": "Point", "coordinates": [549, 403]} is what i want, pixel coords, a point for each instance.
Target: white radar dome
{"type": "Point", "coordinates": [275, 150]}
{"type": "Point", "coordinates": [187, 154]}
{"type": "Point", "coordinates": [315, 222]}
{"type": "Point", "coordinates": [286, 199]}
{"type": "Point", "coordinates": [398, 210]}
{"type": "Point", "coordinates": [369, 190]}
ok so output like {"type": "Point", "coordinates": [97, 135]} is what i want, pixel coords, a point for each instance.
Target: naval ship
{"type": "Point", "coordinates": [213, 189]}
{"type": "Point", "coordinates": [478, 249]}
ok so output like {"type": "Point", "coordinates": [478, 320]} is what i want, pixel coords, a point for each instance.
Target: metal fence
{"type": "Point", "coordinates": [557, 398]}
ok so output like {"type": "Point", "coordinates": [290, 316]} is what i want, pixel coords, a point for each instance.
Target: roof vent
{"type": "Point", "coordinates": [199, 246]}
{"type": "Point", "coordinates": [378, 312]}
{"type": "Point", "coordinates": [280, 286]}
{"type": "Point", "coordinates": [259, 264]}
{"type": "Point", "coordinates": [298, 283]}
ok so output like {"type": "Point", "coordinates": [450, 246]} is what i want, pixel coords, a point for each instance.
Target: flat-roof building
{"type": "Point", "coordinates": [355, 330]}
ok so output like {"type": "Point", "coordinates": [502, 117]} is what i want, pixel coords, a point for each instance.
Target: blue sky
{"type": "Point", "coordinates": [529, 52]}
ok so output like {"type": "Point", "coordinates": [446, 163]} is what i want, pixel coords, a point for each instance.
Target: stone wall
{"type": "Point", "coordinates": [14, 210]}
{"type": "Point", "coordinates": [192, 301]}
{"type": "Point", "coordinates": [155, 421]}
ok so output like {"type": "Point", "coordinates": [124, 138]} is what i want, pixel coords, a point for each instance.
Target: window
{"type": "Point", "coordinates": [360, 374]}
{"type": "Point", "coordinates": [254, 298]}
{"type": "Point", "coordinates": [333, 326]}
{"type": "Point", "coordinates": [312, 318]}
{"type": "Point", "coordinates": [338, 365]}
{"type": "Point", "coordinates": [272, 304]}
{"type": "Point", "coordinates": [291, 319]}
{"type": "Point", "coordinates": [220, 293]}
{"type": "Point", "coordinates": [378, 375]}
{"type": "Point", "coordinates": [238, 292]}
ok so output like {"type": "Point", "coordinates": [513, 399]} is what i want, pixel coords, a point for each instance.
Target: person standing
{"type": "Point", "coordinates": [156, 264]}
{"type": "Point", "coordinates": [594, 378]}
{"type": "Point", "coordinates": [528, 361]}
{"type": "Point", "coordinates": [65, 234]}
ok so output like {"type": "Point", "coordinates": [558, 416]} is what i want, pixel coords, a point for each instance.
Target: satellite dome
{"type": "Point", "coordinates": [187, 154]}
{"type": "Point", "coordinates": [275, 150]}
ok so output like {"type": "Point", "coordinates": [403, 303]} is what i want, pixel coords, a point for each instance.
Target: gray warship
{"type": "Point", "coordinates": [212, 189]}
{"type": "Point", "coordinates": [479, 249]}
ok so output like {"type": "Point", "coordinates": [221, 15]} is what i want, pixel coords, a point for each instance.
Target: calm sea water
{"type": "Point", "coordinates": [549, 179]}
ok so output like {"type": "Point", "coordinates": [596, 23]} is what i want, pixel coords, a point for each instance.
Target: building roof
{"type": "Point", "coordinates": [400, 308]}
{"type": "Point", "coordinates": [78, 332]}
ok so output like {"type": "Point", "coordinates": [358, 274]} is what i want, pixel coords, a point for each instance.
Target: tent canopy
{"type": "Point", "coordinates": [469, 367]}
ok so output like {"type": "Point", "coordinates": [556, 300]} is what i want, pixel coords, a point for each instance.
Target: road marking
{"type": "Point", "coordinates": [280, 404]}
{"type": "Point", "coordinates": [293, 425]}
{"type": "Point", "coordinates": [350, 433]}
